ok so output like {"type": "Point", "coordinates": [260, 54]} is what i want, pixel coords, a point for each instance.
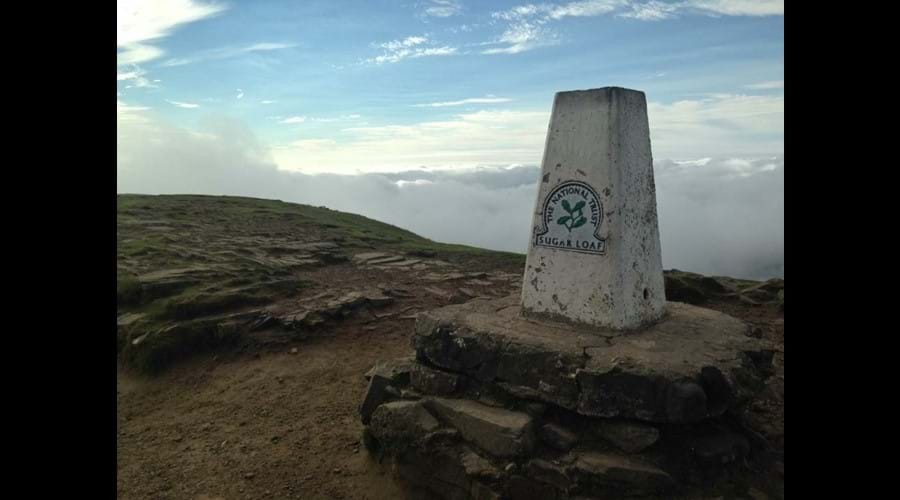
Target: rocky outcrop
{"type": "Point", "coordinates": [694, 364]}
{"type": "Point", "coordinates": [698, 289]}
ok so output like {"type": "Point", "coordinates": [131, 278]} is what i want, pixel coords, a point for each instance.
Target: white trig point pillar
{"type": "Point", "coordinates": [594, 256]}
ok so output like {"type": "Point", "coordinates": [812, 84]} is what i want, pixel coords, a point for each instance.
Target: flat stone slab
{"type": "Point", "coordinates": [502, 433]}
{"type": "Point", "coordinates": [692, 364]}
{"type": "Point", "coordinates": [430, 381]}
{"type": "Point", "coordinates": [603, 472]}
{"type": "Point", "coordinates": [395, 370]}
{"type": "Point", "coordinates": [630, 437]}
{"type": "Point", "coordinates": [399, 424]}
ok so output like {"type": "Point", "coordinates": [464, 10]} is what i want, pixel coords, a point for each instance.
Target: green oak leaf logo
{"type": "Point", "coordinates": [575, 218]}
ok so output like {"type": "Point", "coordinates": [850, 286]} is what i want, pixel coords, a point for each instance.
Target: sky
{"type": "Point", "coordinates": [426, 113]}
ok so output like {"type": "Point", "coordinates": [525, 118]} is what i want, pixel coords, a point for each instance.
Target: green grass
{"type": "Point", "coordinates": [128, 290]}
{"type": "Point", "coordinates": [170, 343]}
{"type": "Point", "coordinates": [195, 303]}
{"type": "Point", "coordinates": [218, 251]}
{"type": "Point", "coordinates": [352, 229]}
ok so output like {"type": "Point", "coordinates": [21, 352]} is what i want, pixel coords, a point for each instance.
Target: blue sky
{"type": "Point", "coordinates": [380, 86]}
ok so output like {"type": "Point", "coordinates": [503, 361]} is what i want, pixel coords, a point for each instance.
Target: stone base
{"type": "Point", "coordinates": [498, 406]}
{"type": "Point", "coordinates": [692, 364]}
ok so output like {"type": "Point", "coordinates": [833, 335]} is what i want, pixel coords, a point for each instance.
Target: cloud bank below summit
{"type": "Point", "coordinates": [717, 215]}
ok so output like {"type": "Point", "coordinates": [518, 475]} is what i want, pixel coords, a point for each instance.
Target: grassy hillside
{"type": "Point", "coordinates": [188, 266]}
{"type": "Point", "coordinates": [196, 272]}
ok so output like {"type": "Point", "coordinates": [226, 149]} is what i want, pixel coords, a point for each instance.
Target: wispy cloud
{"type": "Point", "coordinates": [142, 21]}
{"type": "Point", "coordinates": [132, 117]}
{"type": "Point", "coordinates": [305, 119]}
{"type": "Point", "coordinates": [528, 28]}
{"type": "Point", "coordinates": [471, 100]}
{"type": "Point", "coordinates": [557, 11]}
{"type": "Point", "coordinates": [137, 53]}
{"type": "Point", "coordinates": [716, 125]}
{"type": "Point", "coordinates": [529, 25]}
{"type": "Point", "coordinates": [183, 104]}
{"type": "Point", "coordinates": [643, 9]}
{"type": "Point", "coordinates": [584, 9]}
{"type": "Point", "coordinates": [464, 140]}
{"type": "Point", "coordinates": [240, 94]}
{"type": "Point", "coordinates": [336, 118]}
{"type": "Point", "coordinates": [267, 101]}
{"type": "Point", "coordinates": [738, 7]}
{"type": "Point", "coordinates": [225, 53]}
{"type": "Point", "coordinates": [135, 78]}
{"type": "Point", "coordinates": [123, 108]}
{"type": "Point", "coordinates": [652, 11]}
{"type": "Point", "coordinates": [411, 47]}
{"type": "Point", "coordinates": [522, 36]}
{"type": "Point", "coordinates": [770, 85]}
{"type": "Point", "coordinates": [717, 215]}
{"type": "Point", "coordinates": [655, 10]}
{"type": "Point", "coordinates": [443, 8]}
{"type": "Point", "coordinates": [410, 41]}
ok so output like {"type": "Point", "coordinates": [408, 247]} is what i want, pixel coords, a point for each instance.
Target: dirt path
{"type": "Point", "coordinates": [279, 425]}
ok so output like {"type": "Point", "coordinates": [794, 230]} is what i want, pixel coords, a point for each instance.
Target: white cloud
{"type": "Point", "coordinates": [335, 118]}
{"type": "Point", "coordinates": [124, 109]}
{"type": "Point", "coordinates": [135, 78]}
{"type": "Point", "coordinates": [717, 215]}
{"type": "Point", "coordinates": [293, 119]}
{"type": "Point", "coordinates": [240, 94]}
{"type": "Point", "coordinates": [409, 41]}
{"type": "Point", "coordinates": [226, 52]}
{"type": "Point", "coordinates": [770, 85]}
{"type": "Point", "coordinates": [529, 25]}
{"type": "Point", "coordinates": [443, 8]}
{"type": "Point", "coordinates": [183, 104]}
{"type": "Point", "coordinates": [724, 216]}
{"type": "Point", "coordinates": [408, 48]}
{"type": "Point", "coordinates": [267, 102]}
{"type": "Point", "coordinates": [652, 11]}
{"type": "Point", "coordinates": [177, 61]}
{"type": "Point", "coordinates": [472, 100]}
{"type": "Point", "coordinates": [556, 11]}
{"type": "Point", "coordinates": [417, 182]}
{"type": "Point", "coordinates": [717, 125]}
{"type": "Point", "coordinates": [466, 140]}
{"type": "Point", "coordinates": [137, 53]}
{"type": "Point", "coordinates": [141, 21]}
{"type": "Point", "coordinates": [523, 35]}
{"type": "Point", "coordinates": [257, 47]}
{"type": "Point", "coordinates": [655, 10]}
{"type": "Point", "coordinates": [585, 8]}
{"type": "Point", "coordinates": [739, 7]}
{"type": "Point", "coordinates": [436, 51]}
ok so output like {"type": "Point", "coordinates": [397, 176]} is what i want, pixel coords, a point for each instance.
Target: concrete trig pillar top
{"type": "Point", "coordinates": [594, 256]}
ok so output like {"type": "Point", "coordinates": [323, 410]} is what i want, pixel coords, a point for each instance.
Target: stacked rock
{"type": "Point", "coordinates": [494, 405]}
